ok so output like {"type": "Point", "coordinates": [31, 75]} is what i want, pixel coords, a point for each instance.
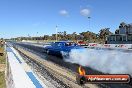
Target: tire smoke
{"type": "Point", "coordinates": [106, 61]}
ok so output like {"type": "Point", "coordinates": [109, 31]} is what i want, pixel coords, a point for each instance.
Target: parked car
{"type": "Point", "coordinates": [62, 47]}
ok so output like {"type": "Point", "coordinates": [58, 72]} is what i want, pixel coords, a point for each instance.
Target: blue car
{"type": "Point", "coordinates": [62, 47]}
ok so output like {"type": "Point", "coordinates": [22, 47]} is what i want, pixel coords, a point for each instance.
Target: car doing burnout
{"type": "Point", "coordinates": [61, 48]}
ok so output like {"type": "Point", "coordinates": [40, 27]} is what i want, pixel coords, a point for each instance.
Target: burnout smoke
{"type": "Point", "coordinates": [107, 61]}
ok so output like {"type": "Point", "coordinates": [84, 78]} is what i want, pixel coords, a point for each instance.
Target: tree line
{"type": "Point", "coordinates": [83, 36]}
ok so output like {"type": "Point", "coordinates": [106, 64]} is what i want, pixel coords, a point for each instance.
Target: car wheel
{"type": "Point", "coordinates": [48, 52]}
{"type": "Point", "coordinates": [81, 80]}
{"type": "Point", "coordinates": [64, 54]}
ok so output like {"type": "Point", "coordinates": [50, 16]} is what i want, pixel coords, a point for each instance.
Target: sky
{"type": "Point", "coordinates": [39, 17]}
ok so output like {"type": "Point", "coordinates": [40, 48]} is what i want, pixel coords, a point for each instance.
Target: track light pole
{"type": "Point", "coordinates": [56, 33]}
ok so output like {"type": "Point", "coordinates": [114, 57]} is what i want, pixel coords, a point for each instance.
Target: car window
{"type": "Point", "coordinates": [60, 44]}
{"type": "Point", "coordinates": [47, 44]}
{"type": "Point", "coordinates": [56, 44]}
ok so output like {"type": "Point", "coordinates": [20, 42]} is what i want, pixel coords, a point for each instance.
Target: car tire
{"type": "Point", "coordinates": [48, 52]}
{"type": "Point", "coordinates": [81, 80]}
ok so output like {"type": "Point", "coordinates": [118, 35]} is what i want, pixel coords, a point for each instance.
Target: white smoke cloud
{"type": "Point", "coordinates": [113, 62]}
{"type": "Point", "coordinates": [85, 12]}
{"type": "Point", "coordinates": [63, 13]}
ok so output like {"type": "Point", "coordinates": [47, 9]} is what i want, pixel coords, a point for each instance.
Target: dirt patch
{"type": "Point", "coordinates": [2, 67]}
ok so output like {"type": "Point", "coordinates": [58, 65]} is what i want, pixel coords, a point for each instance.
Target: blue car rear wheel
{"type": "Point", "coordinates": [48, 52]}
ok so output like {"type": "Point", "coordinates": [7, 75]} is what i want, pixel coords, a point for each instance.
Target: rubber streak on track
{"type": "Point", "coordinates": [73, 67]}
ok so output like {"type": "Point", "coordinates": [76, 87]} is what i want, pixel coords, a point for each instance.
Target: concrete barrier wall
{"type": "Point", "coordinates": [18, 73]}
{"type": "Point", "coordinates": [16, 76]}
{"type": "Point", "coordinates": [115, 46]}
{"type": "Point", "coordinates": [9, 77]}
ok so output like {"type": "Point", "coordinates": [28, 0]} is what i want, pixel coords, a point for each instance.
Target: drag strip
{"type": "Point", "coordinates": [61, 75]}
{"type": "Point", "coordinates": [71, 67]}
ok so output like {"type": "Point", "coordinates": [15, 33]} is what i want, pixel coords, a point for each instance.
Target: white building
{"type": "Point", "coordinates": [122, 36]}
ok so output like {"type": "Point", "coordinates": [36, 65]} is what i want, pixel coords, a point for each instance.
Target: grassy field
{"type": "Point", "coordinates": [2, 80]}
{"type": "Point", "coordinates": [2, 69]}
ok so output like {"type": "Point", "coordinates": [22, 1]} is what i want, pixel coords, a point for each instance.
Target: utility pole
{"type": "Point", "coordinates": [89, 21]}
{"type": "Point", "coordinates": [89, 27]}
{"type": "Point", "coordinates": [56, 33]}
{"type": "Point", "coordinates": [37, 38]}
